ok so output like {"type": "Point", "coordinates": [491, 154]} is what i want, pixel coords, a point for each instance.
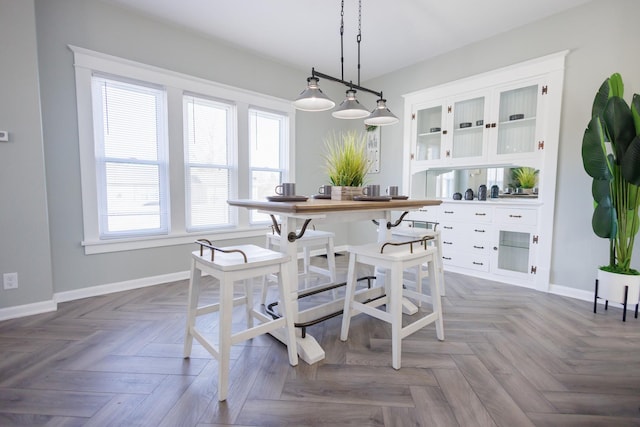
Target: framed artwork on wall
{"type": "Point", "coordinates": [373, 148]}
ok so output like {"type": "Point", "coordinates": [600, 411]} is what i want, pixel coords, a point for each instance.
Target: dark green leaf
{"type": "Point", "coordinates": [604, 221]}
{"type": "Point", "coordinates": [593, 151]}
{"type": "Point", "coordinates": [601, 191]}
{"type": "Point", "coordinates": [619, 125]}
{"type": "Point", "coordinates": [601, 98]}
{"type": "Point", "coordinates": [630, 165]}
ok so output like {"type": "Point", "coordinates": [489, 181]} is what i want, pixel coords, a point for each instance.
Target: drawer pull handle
{"type": "Point", "coordinates": [447, 258]}
{"type": "Point", "coordinates": [481, 214]}
{"type": "Point", "coordinates": [448, 212]}
{"type": "Point", "coordinates": [479, 231]}
{"type": "Point", "coordinates": [447, 243]}
{"type": "Point", "coordinates": [477, 263]}
{"type": "Point", "coordinates": [515, 216]}
{"type": "Point", "coordinates": [478, 247]}
{"type": "Point", "coordinates": [448, 228]}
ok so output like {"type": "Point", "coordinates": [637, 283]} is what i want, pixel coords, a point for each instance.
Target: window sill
{"type": "Point", "coordinates": [92, 247]}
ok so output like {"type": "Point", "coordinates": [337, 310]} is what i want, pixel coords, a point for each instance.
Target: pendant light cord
{"type": "Point", "coordinates": [359, 37]}
{"type": "Point", "coordinates": [342, 39]}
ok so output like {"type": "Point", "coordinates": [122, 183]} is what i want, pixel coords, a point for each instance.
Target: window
{"type": "Point", "coordinates": [162, 152]}
{"type": "Point", "coordinates": [207, 162]}
{"type": "Point", "coordinates": [266, 139]}
{"type": "Point", "coordinates": [130, 144]}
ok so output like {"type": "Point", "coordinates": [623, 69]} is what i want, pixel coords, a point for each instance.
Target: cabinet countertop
{"type": "Point", "coordinates": [502, 201]}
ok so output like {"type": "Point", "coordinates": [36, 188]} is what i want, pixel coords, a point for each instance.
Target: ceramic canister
{"type": "Point", "coordinates": [468, 195]}
{"type": "Point", "coordinates": [482, 192]}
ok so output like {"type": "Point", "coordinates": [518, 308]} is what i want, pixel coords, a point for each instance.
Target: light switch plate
{"type": "Point", "coordinates": [4, 136]}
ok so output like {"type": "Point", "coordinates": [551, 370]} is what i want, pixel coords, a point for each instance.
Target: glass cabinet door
{"type": "Point", "coordinates": [428, 134]}
{"type": "Point", "coordinates": [517, 120]}
{"type": "Point", "coordinates": [468, 126]}
{"type": "Point", "coordinates": [513, 251]}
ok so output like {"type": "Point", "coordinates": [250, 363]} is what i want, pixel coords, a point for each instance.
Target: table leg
{"type": "Point", "coordinates": [308, 348]}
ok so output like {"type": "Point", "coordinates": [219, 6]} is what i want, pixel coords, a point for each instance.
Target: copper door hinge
{"type": "Point", "coordinates": [534, 269]}
{"type": "Point", "coordinates": [540, 145]}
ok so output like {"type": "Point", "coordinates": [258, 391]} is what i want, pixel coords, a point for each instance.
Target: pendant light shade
{"type": "Point", "coordinates": [350, 108]}
{"type": "Point", "coordinates": [312, 98]}
{"type": "Point", "coordinates": [381, 115]}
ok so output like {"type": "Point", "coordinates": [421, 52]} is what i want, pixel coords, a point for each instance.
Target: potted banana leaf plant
{"type": "Point", "coordinates": [611, 156]}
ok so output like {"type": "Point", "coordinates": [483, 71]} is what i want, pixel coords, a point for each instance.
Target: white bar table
{"type": "Point", "coordinates": [319, 211]}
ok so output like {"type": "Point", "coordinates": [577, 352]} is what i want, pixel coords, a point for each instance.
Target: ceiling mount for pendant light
{"type": "Point", "coordinates": [313, 99]}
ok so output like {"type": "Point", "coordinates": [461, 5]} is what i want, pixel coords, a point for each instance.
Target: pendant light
{"type": "Point", "coordinates": [313, 99]}
{"type": "Point", "coordinates": [350, 108]}
{"type": "Point", "coordinates": [381, 115]}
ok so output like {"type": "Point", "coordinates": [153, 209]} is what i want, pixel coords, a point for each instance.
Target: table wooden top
{"type": "Point", "coordinates": [319, 206]}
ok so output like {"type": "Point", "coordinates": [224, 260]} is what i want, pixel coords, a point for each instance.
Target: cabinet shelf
{"type": "Point", "coordinates": [526, 120]}
{"type": "Point", "coordinates": [469, 129]}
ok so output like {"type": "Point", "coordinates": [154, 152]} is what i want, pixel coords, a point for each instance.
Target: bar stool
{"type": "Point", "coordinates": [228, 265]}
{"type": "Point", "coordinates": [415, 233]}
{"type": "Point", "coordinates": [310, 239]}
{"type": "Point", "coordinates": [396, 257]}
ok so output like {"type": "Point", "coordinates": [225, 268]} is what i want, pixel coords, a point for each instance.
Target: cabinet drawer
{"type": "Point", "coordinates": [463, 233]}
{"type": "Point", "coordinates": [450, 213]}
{"type": "Point", "coordinates": [425, 213]}
{"type": "Point", "coordinates": [517, 216]}
{"type": "Point", "coordinates": [466, 260]}
{"type": "Point", "coordinates": [477, 214]}
{"type": "Point", "coordinates": [468, 213]}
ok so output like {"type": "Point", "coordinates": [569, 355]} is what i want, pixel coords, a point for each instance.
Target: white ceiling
{"type": "Point", "coordinates": [306, 33]}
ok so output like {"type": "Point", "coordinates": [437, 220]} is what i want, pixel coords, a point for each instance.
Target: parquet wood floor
{"type": "Point", "coordinates": [512, 357]}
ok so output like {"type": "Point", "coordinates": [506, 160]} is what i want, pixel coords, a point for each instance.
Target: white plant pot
{"type": "Point", "coordinates": [611, 287]}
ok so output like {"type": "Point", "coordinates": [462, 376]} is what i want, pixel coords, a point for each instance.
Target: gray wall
{"type": "Point", "coordinates": [24, 229]}
{"type": "Point", "coordinates": [94, 25]}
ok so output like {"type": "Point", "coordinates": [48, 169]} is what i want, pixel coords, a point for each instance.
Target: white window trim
{"type": "Point", "coordinates": [86, 62]}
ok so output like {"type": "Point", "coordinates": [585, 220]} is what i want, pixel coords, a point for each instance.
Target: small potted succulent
{"type": "Point", "coordinates": [524, 177]}
{"type": "Point", "coordinates": [346, 163]}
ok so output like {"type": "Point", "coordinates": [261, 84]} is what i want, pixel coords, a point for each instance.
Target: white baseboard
{"type": "Point", "coordinates": [584, 296]}
{"type": "Point", "coordinates": [119, 286]}
{"type": "Point", "coordinates": [27, 310]}
{"type": "Point", "coordinates": [565, 291]}
{"type": "Point", "coordinates": [94, 291]}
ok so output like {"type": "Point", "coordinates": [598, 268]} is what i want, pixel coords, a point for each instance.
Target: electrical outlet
{"type": "Point", "coordinates": [10, 280]}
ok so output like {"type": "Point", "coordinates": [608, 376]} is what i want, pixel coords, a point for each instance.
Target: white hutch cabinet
{"type": "Point", "coordinates": [502, 119]}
